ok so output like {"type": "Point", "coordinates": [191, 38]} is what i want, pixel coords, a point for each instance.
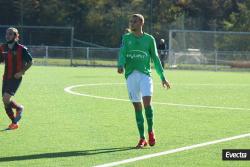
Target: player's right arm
{"type": "Point", "coordinates": [122, 58]}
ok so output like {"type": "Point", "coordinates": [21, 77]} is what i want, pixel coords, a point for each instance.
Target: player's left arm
{"type": "Point", "coordinates": [1, 54]}
{"type": "Point", "coordinates": [27, 59]}
{"type": "Point", "coordinates": [157, 64]}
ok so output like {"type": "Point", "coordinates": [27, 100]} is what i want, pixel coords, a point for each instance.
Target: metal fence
{"type": "Point", "coordinates": [74, 56]}
{"type": "Point", "coordinates": [90, 56]}
{"type": "Point", "coordinates": [209, 49]}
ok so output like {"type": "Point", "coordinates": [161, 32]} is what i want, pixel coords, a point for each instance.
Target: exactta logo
{"type": "Point", "coordinates": [132, 56]}
{"type": "Point", "coordinates": [236, 154]}
{"type": "Point", "coordinates": [137, 54]}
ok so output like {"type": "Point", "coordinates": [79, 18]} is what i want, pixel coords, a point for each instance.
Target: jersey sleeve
{"type": "Point", "coordinates": [27, 58]}
{"type": "Point", "coordinates": [155, 58]}
{"type": "Point", "coordinates": [122, 54]}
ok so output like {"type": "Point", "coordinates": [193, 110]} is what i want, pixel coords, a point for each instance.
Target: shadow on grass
{"type": "Point", "coordinates": [4, 130]}
{"type": "Point", "coordinates": [65, 154]}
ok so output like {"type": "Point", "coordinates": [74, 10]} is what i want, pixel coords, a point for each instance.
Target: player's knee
{"type": "Point", "coordinates": [138, 107]}
{"type": "Point", "coordinates": [6, 100]}
{"type": "Point", "coordinates": [147, 105]}
{"type": "Point", "coordinates": [147, 101]}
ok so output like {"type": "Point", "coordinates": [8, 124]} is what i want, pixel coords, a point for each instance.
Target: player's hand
{"type": "Point", "coordinates": [18, 75]}
{"type": "Point", "coordinates": [120, 70]}
{"type": "Point", "coordinates": [165, 84]}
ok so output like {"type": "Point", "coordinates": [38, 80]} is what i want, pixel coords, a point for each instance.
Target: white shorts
{"type": "Point", "coordinates": [139, 85]}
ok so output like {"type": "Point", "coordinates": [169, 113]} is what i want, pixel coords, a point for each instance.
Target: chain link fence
{"type": "Point", "coordinates": [74, 56]}
{"type": "Point", "coordinates": [209, 49]}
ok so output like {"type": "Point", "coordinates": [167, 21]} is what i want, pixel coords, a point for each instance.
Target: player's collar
{"type": "Point", "coordinates": [14, 46]}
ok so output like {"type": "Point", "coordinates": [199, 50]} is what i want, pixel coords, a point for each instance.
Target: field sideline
{"type": "Point", "coordinates": [63, 129]}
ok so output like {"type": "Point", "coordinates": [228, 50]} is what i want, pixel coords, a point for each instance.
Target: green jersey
{"type": "Point", "coordinates": [136, 54]}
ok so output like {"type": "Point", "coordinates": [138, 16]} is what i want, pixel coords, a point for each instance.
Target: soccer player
{"type": "Point", "coordinates": [137, 51]}
{"type": "Point", "coordinates": [17, 60]}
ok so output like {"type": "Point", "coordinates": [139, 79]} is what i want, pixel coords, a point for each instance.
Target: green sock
{"type": "Point", "coordinates": [149, 116]}
{"type": "Point", "coordinates": [140, 123]}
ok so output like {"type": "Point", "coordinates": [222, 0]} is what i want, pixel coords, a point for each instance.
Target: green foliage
{"type": "Point", "coordinates": [103, 21]}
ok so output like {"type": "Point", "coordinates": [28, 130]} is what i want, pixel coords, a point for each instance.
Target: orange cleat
{"type": "Point", "coordinates": [142, 143]}
{"type": "Point", "coordinates": [13, 126]}
{"type": "Point", "coordinates": [151, 138]}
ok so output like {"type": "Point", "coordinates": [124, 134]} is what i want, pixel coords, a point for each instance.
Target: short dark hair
{"type": "Point", "coordinates": [140, 16]}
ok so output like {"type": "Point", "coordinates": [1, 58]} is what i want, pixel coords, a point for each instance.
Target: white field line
{"type": "Point", "coordinates": [148, 156]}
{"type": "Point", "coordinates": [69, 90]}
{"type": "Point", "coordinates": [181, 84]}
